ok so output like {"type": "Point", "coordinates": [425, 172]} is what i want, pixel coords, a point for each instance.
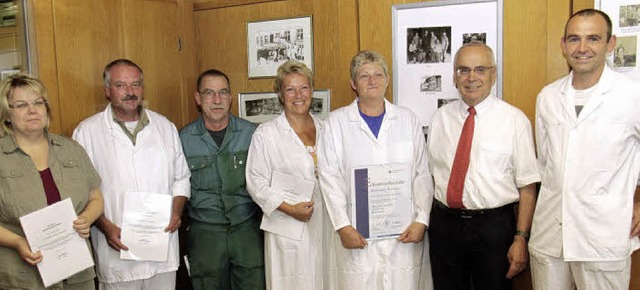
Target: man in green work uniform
{"type": "Point", "coordinates": [224, 241]}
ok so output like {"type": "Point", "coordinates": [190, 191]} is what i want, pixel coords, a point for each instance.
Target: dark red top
{"type": "Point", "coordinates": [50, 188]}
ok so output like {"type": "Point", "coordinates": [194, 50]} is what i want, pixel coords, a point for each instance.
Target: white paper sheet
{"type": "Point", "coordinates": [382, 202]}
{"type": "Point", "coordinates": [50, 231]}
{"type": "Point", "coordinates": [296, 190]}
{"type": "Point", "coordinates": [145, 217]}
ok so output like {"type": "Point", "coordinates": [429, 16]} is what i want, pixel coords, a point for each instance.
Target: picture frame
{"type": "Point", "coordinates": [270, 43]}
{"type": "Point", "coordinates": [261, 107]}
{"type": "Point", "coordinates": [426, 37]}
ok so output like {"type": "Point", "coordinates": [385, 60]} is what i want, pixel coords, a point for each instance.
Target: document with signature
{"type": "Point", "coordinates": [296, 189]}
{"type": "Point", "coordinates": [145, 217]}
{"type": "Point", "coordinates": [381, 200]}
{"type": "Point", "coordinates": [50, 231]}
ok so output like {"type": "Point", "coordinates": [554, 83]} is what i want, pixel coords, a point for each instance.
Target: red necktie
{"type": "Point", "coordinates": [461, 162]}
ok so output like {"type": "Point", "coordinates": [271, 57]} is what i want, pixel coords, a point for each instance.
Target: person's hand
{"type": "Point", "coordinates": [413, 234]}
{"type": "Point", "coordinates": [635, 221]}
{"type": "Point", "coordinates": [518, 256]}
{"type": "Point", "coordinates": [112, 234]}
{"type": "Point", "coordinates": [301, 211]}
{"type": "Point", "coordinates": [351, 238]}
{"type": "Point", "coordinates": [82, 226]}
{"type": "Point", "coordinates": [174, 223]}
{"type": "Point", "coordinates": [26, 254]}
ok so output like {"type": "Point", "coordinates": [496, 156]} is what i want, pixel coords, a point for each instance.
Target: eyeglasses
{"type": "Point", "coordinates": [464, 71]}
{"type": "Point", "coordinates": [22, 105]}
{"type": "Point", "coordinates": [210, 94]}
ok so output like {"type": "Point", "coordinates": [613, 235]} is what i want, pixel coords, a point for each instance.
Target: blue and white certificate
{"type": "Point", "coordinates": [381, 200]}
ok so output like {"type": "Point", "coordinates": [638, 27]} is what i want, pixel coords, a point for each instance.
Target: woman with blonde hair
{"type": "Point", "coordinates": [286, 146]}
{"type": "Point", "coordinates": [37, 169]}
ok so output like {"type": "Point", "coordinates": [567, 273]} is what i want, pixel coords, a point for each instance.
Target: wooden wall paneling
{"type": "Point", "coordinates": [214, 4]}
{"type": "Point", "coordinates": [46, 70]}
{"type": "Point", "coordinates": [220, 44]}
{"type": "Point", "coordinates": [189, 68]}
{"type": "Point", "coordinates": [524, 53]}
{"type": "Point", "coordinates": [557, 14]}
{"type": "Point", "coordinates": [151, 35]}
{"type": "Point", "coordinates": [335, 43]}
{"type": "Point", "coordinates": [582, 4]}
{"type": "Point", "coordinates": [87, 35]}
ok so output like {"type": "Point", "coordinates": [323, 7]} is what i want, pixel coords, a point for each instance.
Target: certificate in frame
{"type": "Point", "coordinates": [426, 37]}
{"type": "Point", "coordinates": [271, 43]}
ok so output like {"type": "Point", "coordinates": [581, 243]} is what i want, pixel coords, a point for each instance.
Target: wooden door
{"type": "Point", "coordinates": [151, 35]}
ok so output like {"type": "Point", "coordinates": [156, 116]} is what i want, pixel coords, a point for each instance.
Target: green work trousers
{"type": "Point", "coordinates": [224, 257]}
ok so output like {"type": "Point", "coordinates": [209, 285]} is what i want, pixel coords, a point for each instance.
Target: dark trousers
{"type": "Point", "coordinates": [470, 247]}
{"type": "Point", "coordinates": [226, 258]}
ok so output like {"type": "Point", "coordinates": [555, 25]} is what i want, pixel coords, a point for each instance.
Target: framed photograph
{"type": "Point", "coordinates": [270, 43]}
{"type": "Point", "coordinates": [426, 37]}
{"type": "Point", "coordinates": [321, 103]}
{"type": "Point", "coordinates": [625, 19]}
{"type": "Point", "coordinates": [262, 107]}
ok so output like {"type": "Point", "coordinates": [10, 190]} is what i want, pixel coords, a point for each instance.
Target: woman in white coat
{"type": "Point", "coordinates": [372, 131]}
{"type": "Point", "coordinates": [293, 222]}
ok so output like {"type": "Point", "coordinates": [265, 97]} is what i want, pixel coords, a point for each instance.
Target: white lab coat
{"type": "Point", "coordinates": [289, 264]}
{"type": "Point", "coordinates": [589, 166]}
{"type": "Point", "coordinates": [155, 164]}
{"type": "Point", "coordinates": [348, 142]}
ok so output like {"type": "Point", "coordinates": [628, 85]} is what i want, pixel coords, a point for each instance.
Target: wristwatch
{"type": "Point", "coordinates": [524, 234]}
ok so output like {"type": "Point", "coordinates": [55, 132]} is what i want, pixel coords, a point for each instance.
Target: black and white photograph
{"type": "Point", "coordinates": [629, 16]}
{"type": "Point", "coordinates": [624, 55]}
{"type": "Point", "coordinates": [271, 43]}
{"type": "Point", "coordinates": [422, 66]}
{"type": "Point", "coordinates": [469, 37]}
{"type": "Point", "coordinates": [321, 103]}
{"type": "Point", "coordinates": [625, 16]}
{"type": "Point", "coordinates": [258, 107]}
{"type": "Point", "coordinates": [442, 102]}
{"type": "Point", "coordinates": [431, 84]}
{"type": "Point", "coordinates": [261, 107]}
{"type": "Point", "coordinates": [428, 45]}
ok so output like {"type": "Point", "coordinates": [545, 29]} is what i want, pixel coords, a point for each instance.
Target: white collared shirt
{"type": "Point", "coordinates": [502, 155]}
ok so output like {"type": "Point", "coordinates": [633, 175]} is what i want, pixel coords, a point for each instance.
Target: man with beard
{"type": "Point", "coordinates": [136, 151]}
{"type": "Point", "coordinates": [225, 243]}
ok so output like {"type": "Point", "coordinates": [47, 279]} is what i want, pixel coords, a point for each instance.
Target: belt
{"type": "Point", "coordinates": [469, 213]}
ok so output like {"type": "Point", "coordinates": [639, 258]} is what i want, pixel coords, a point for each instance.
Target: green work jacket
{"type": "Point", "coordinates": [218, 188]}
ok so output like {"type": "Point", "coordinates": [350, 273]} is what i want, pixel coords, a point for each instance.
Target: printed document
{"type": "Point", "coordinates": [50, 231]}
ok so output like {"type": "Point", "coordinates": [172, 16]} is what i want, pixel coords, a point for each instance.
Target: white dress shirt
{"type": "Point", "coordinates": [502, 157]}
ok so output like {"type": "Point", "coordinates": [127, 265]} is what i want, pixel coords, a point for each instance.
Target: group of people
{"type": "Point", "coordinates": [475, 214]}
{"type": "Point", "coordinates": [429, 48]}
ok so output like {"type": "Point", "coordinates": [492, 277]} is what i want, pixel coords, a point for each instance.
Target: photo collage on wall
{"type": "Point", "coordinates": [625, 18]}
{"type": "Point", "coordinates": [424, 50]}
